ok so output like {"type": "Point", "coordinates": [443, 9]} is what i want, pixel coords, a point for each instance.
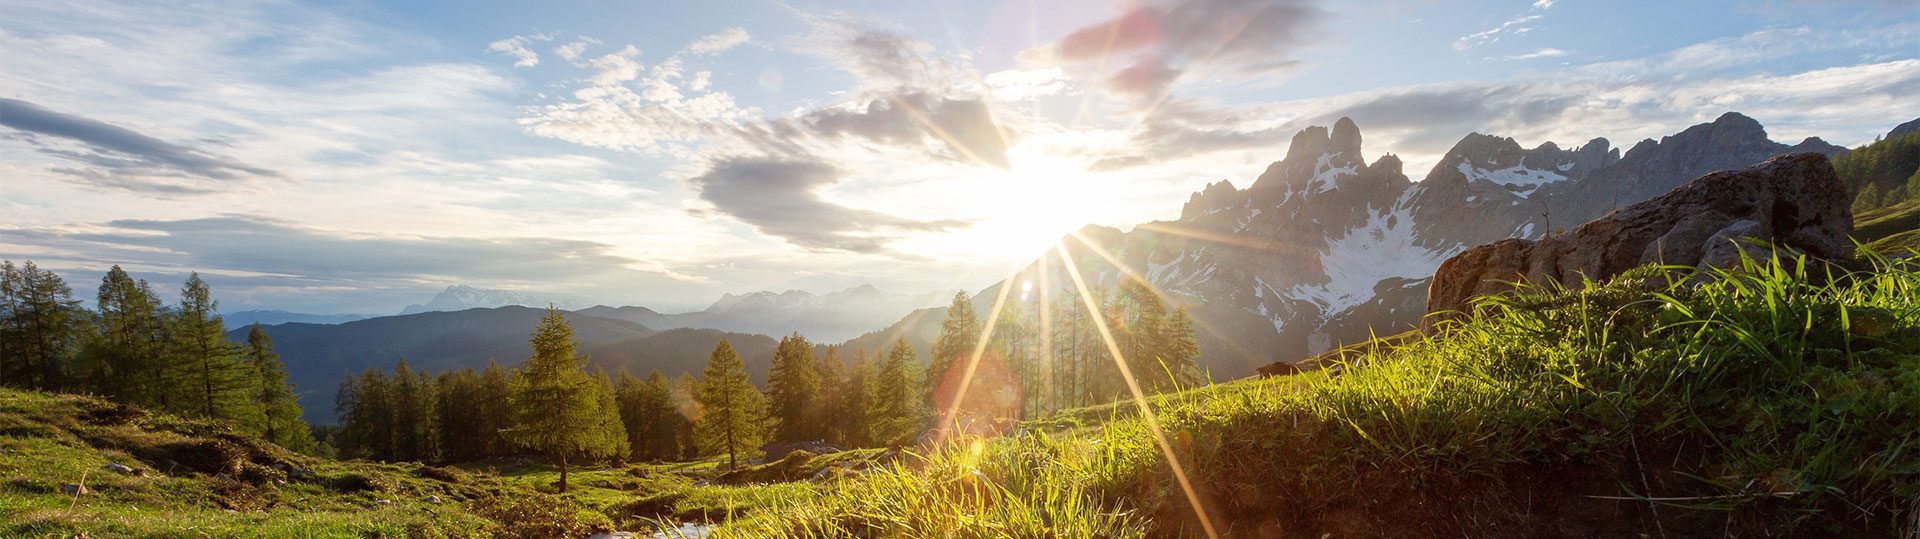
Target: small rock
{"type": "Point", "coordinates": [118, 467]}
{"type": "Point", "coordinates": [75, 489]}
{"type": "Point", "coordinates": [383, 501]}
{"type": "Point", "coordinates": [433, 498]}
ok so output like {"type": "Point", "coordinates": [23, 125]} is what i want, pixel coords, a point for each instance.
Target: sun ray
{"type": "Point", "coordinates": [1139, 396]}
{"type": "Point", "coordinates": [1220, 336]}
{"type": "Point", "coordinates": [1225, 39]}
{"type": "Point", "coordinates": [949, 421]}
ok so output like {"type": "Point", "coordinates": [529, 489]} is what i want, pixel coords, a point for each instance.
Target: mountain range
{"type": "Point", "coordinates": [1325, 248]}
{"type": "Point", "coordinates": [1322, 248]}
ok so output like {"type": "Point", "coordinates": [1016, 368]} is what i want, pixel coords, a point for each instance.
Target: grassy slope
{"type": "Point", "coordinates": [1890, 229]}
{"type": "Point", "coordinates": [49, 440]}
{"type": "Point", "coordinates": [1758, 405]}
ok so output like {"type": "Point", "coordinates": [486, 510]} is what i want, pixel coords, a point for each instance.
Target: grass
{"type": "Point", "coordinates": [1891, 229]}
{"type": "Point", "coordinates": [1775, 400]}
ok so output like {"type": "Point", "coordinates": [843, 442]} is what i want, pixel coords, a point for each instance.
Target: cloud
{"type": "Point", "coordinates": [719, 42]}
{"type": "Point", "coordinates": [955, 129]}
{"type": "Point", "coordinates": [1513, 26]}
{"type": "Point", "coordinates": [284, 254]}
{"type": "Point", "coordinates": [1148, 48]}
{"type": "Point", "coordinates": [517, 47]}
{"type": "Point", "coordinates": [1421, 122]}
{"type": "Point", "coordinates": [780, 197]}
{"type": "Point", "coordinates": [1542, 53]}
{"type": "Point", "coordinates": [118, 157]}
{"type": "Point", "coordinates": [572, 50]}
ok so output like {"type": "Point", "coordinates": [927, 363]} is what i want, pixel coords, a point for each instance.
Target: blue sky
{"type": "Point", "coordinates": [327, 157]}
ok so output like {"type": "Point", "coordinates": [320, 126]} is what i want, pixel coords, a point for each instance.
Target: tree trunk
{"type": "Point", "coordinates": [563, 473]}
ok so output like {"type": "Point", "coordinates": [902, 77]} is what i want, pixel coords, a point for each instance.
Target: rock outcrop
{"type": "Point", "coordinates": [1792, 201]}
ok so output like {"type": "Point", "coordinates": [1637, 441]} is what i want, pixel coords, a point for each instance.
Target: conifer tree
{"type": "Point", "coordinates": [41, 326]}
{"type": "Point", "coordinates": [125, 360]}
{"type": "Point", "coordinates": [1181, 350]}
{"type": "Point", "coordinates": [852, 400]}
{"type": "Point", "coordinates": [457, 410]}
{"type": "Point", "coordinates": [559, 409]}
{"type": "Point", "coordinates": [611, 425]}
{"type": "Point", "coordinates": [494, 405]}
{"type": "Point", "coordinates": [733, 416]}
{"type": "Point", "coordinates": [415, 433]}
{"type": "Point", "coordinates": [653, 421]}
{"type": "Point", "coordinates": [365, 407]}
{"type": "Point", "coordinates": [792, 387]}
{"type": "Point", "coordinates": [895, 408]}
{"type": "Point", "coordinates": [831, 373]}
{"type": "Point", "coordinates": [222, 386]}
{"type": "Point", "coordinates": [279, 407]}
{"type": "Point", "coordinates": [958, 336]}
{"type": "Point", "coordinates": [685, 388]}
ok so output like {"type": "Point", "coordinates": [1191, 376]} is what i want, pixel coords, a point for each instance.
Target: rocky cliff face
{"type": "Point", "coordinates": [1793, 201]}
{"type": "Point", "coordinates": [1325, 248]}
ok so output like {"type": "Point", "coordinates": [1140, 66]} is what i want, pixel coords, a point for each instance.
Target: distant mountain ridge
{"type": "Point", "coordinates": [240, 319]}
{"type": "Point", "coordinates": [318, 355]}
{"type": "Point", "coordinates": [461, 297]}
{"type": "Point", "coordinates": [831, 317]}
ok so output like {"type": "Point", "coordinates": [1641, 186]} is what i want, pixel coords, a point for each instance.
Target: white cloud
{"type": "Point", "coordinates": [719, 42]}
{"type": "Point", "coordinates": [516, 47]}
{"type": "Point", "coordinates": [571, 51]}
{"type": "Point", "coordinates": [1548, 52]}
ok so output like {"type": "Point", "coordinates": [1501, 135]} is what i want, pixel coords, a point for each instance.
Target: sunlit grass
{"type": "Point", "coordinates": [1779, 398]}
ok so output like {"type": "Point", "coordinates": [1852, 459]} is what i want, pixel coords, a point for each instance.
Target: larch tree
{"type": "Point", "coordinates": [895, 407]}
{"type": "Point", "coordinates": [40, 327]}
{"type": "Point", "coordinates": [852, 402]}
{"type": "Point", "coordinates": [959, 333]}
{"type": "Point", "coordinates": [733, 416]}
{"type": "Point", "coordinates": [792, 387]}
{"type": "Point", "coordinates": [279, 406]}
{"type": "Point", "coordinates": [125, 360]}
{"type": "Point", "coordinates": [558, 408]}
{"type": "Point", "coordinates": [222, 386]}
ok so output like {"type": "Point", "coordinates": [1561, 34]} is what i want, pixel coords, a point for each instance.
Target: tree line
{"type": "Point", "coordinates": [553, 404]}
{"type": "Point", "coordinates": [136, 347]}
{"type": "Point", "coordinates": [1885, 172]}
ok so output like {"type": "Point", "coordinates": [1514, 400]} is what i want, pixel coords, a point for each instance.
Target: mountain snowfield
{"type": "Point", "coordinates": [1324, 248]}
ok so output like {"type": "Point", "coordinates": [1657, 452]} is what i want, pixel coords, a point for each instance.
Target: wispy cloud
{"type": "Point", "coordinates": [519, 48]}
{"type": "Point", "coordinates": [720, 42]}
{"type": "Point", "coordinates": [1511, 27]}
{"type": "Point", "coordinates": [118, 157]}
{"type": "Point", "coordinates": [1548, 52]}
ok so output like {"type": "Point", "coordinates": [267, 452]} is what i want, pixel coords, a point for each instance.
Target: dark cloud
{"type": "Point", "coordinates": [121, 158]}
{"type": "Point", "coordinates": [780, 197]}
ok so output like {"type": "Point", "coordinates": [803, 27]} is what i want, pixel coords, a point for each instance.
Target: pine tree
{"type": "Point", "coordinates": [280, 409]}
{"type": "Point", "coordinates": [41, 326]}
{"type": "Point", "coordinates": [494, 405]}
{"type": "Point", "coordinates": [733, 414]}
{"type": "Point", "coordinates": [895, 407]}
{"type": "Point", "coordinates": [222, 386]}
{"type": "Point", "coordinates": [611, 425]}
{"type": "Point", "coordinates": [852, 400]}
{"type": "Point", "coordinates": [558, 408]}
{"type": "Point", "coordinates": [1180, 352]}
{"type": "Point", "coordinates": [792, 386]}
{"type": "Point", "coordinates": [125, 360]}
{"type": "Point", "coordinates": [415, 432]}
{"type": "Point", "coordinates": [959, 334]}
{"type": "Point", "coordinates": [365, 407]}
{"type": "Point", "coordinates": [685, 388]}
{"type": "Point", "coordinates": [831, 373]}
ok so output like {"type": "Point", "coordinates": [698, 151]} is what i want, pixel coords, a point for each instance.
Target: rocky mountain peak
{"type": "Point", "coordinates": [1214, 196]}
{"type": "Point", "coordinates": [1345, 138]}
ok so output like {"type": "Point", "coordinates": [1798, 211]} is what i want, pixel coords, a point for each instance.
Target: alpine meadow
{"type": "Point", "coordinates": [935, 269]}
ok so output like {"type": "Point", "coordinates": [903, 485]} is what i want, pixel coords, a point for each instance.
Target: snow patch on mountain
{"type": "Point", "coordinates": [1519, 179]}
{"type": "Point", "coordinates": [1382, 248]}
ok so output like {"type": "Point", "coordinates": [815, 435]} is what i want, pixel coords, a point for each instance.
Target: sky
{"type": "Point", "coordinates": [343, 157]}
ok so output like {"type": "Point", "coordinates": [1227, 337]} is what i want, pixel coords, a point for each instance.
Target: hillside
{"type": "Point", "coordinates": [317, 355]}
{"type": "Point", "coordinates": [1762, 403]}
{"type": "Point", "coordinates": [189, 478]}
